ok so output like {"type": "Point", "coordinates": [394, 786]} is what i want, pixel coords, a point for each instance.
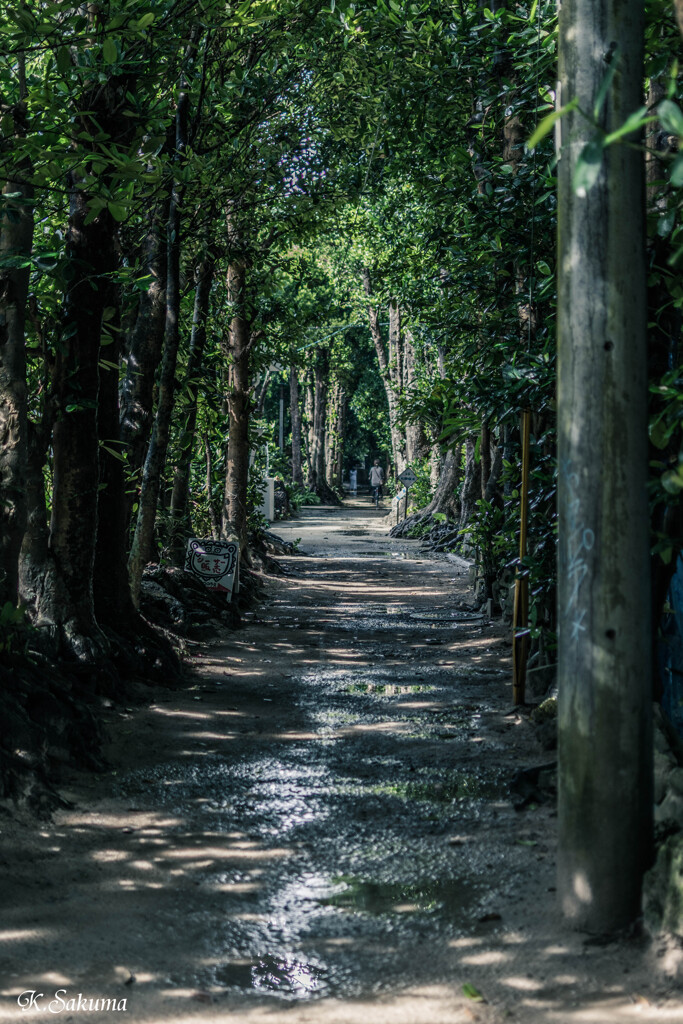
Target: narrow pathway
{"type": "Point", "coordinates": [320, 830]}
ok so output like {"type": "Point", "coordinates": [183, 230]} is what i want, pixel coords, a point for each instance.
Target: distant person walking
{"type": "Point", "coordinates": [376, 481]}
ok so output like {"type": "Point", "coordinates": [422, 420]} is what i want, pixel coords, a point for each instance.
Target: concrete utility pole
{"type": "Point", "coordinates": [605, 731]}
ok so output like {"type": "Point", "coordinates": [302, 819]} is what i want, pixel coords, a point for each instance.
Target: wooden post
{"type": "Point", "coordinates": [520, 620]}
{"type": "Point", "coordinates": [604, 654]}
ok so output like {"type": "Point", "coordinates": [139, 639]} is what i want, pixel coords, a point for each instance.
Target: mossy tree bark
{"type": "Point", "coordinates": [321, 383]}
{"type": "Point", "coordinates": [295, 413]}
{"type": "Point", "coordinates": [390, 360]}
{"type": "Point", "coordinates": [145, 347]}
{"type": "Point", "coordinates": [143, 541]}
{"type": "Point", "coordinates": [16, 239]}
{"type": "Point", "coordinates": [113, 604]}
{"type": "Point", "coordinates": [181, 522]}
{"type": "Point", "coordinates": [605, 758]}
{"type": "Point", "coordinates": [237, 352]}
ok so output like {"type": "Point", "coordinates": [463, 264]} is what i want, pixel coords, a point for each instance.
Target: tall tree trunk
{"type": "Point", "coordinates": [471, 485]}
{"type": "Point", "coordinates": [66, 601]}
{"type": "Point", "coordinates": [338, 465]}
{"type": "Point", "coordinates": [237, 351]}
{"type": "Point", "coordinates": [260, 400]}
{"type": "Point", "coordinates": [35, 554]}
{"type": "Point", "coordinates": [396, 378]}
{"type": "Point", "coordinates": [417, 446]}
{"type": "Point", "coordinates": [485, 455]}
{"type": "Point", "coordinates": [295, 414]}
{"type": "Point", "coordinates": [309, 412]}
{"type": "Point", "coordinates": [213, 518]}
{"type": "Point", "coordinates": [143, 541]}
{"type": "Point", "coordinates": [144, 351]}
{"type": "Point", "coordinates": [16, 240]}
{"type": "Point", "coordinates": [113, 604]}
{"type": "Point", "coordinates": [331, 434]}
{"type": "Point", "coordinates": [334, 437]}
{"type": "Point", "coordinates": [390, 368]}
{"type": "Point", "coordinates": [435, 461]}
{"type": "Point", "coordinates": [322, 368]}
{"type": "Point", "coordinates": [605, 729]}
{"type": "Point", "coordinates": [181, 524]}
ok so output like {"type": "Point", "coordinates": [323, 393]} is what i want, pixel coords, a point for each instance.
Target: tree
{"type": "Point", "coordinates": [16, 239]}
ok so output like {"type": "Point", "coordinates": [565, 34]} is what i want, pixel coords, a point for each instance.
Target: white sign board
{"type": "Point", "coordinates": [214, 562]}
{"type": "Point", "coordinates": [408, 477]}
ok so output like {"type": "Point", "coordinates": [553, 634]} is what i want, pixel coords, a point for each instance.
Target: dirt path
{"type": "Point", "coordinates": [320, 830]}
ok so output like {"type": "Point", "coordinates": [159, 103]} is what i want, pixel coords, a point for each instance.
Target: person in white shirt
{"type": "Point", "coordinates": [376, 480]}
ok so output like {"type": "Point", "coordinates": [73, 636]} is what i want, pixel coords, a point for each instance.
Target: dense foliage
{"type": "Point", "coordinates": [208, 204]}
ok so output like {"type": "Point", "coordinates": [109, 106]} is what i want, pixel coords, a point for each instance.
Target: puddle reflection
{"type": "Point", "coordinates": [288, 976]}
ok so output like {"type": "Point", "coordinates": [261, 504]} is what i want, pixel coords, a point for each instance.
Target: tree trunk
{"type": "Point", "coordinates": [471, 485]}
{"type": "Point", "coordinates": [260, 399]}
{"type": "Point", "coordinates": [390, 368]}
{"type": "Point", "coordinates": [309, 411]}
{"type": "Point", "coordinates": [295, 414]}
{"type": "Point", "coordinates": [485, 455]}
{"type": "Point", "coordinates": [237, 351]}
{"type": "Point", "coordinates": [417, 446]}
{"type": "Point", "coordinates": [213, 518]}
{"type": "Point", "coordinates": [605, 729]}
{"type": "Point", "coordinates": [181, 523]}
{"type": "Point", "coordinates": [435, 460]}
{"type": "Point", "coordinates": [144, 352]}
{"type": "Point", "coordinates": [143, 541]}
{"type": "Point", "coordinates": [332, 435]}
{"type": "Point", "coordinates": [496, 469]}
{"type": "Point", "coordinates": [446, 499]}
{"type": "Point", "coordinates": [322, 368]}
{"type": "Point", "coordinates": [66, 600]}
{"type": "Point", "coordinates": [34, 557]}
{"type": "Point", "coordinates": [113, 604]}
{"type": "Point", "coordinates": [338, 466]}
{"type": "Point", "coordinates": [16, 239]}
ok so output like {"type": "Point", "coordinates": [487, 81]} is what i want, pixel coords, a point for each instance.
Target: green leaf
{"type": "Point", "coordinates": [677, 172]}
{"type": "Point", "coordinates": [110, 52]}
{"type": "Point", "coordinates": [63, 60]}
{"type": "Point", "coordinates": [672, 482]}
{"type": "Point", "coordinates": [659, 434]}
{"type": "Point", "coordinates": [666, 554]}
{"type": "Point", "coordinates": [473, 993]}
{"type": "Point", "coordinates": [118, 211]}
{"type": "Point", "coordinates": [671, 116]}
{"type": "Point", "coordinates": [545, 125]}
{"type": "Point", "coordinates": [544, 269]}
{"type": "Point", "coordinates": [146, 20]}
{"type": "Point", "coordinates": [588, 167]}
{"type": "Point", "coordinates": [666, 222]}
{"type": "Point", "coordinates": [634, 123]}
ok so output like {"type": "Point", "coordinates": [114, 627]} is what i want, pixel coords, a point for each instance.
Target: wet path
{"type": "Point", "coordinates": [320, 830]}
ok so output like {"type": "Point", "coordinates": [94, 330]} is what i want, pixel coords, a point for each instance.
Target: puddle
{"type": "Point", "coordinates": [462, 787]}
{"type": "Point", "coordinates": [378, 898]}
{"type": "Point", "coordinates": [285, 975]}
{"type": "Point", "coordinates": [459, 786]}
{"type": "Point", "coordinates": [389, 689]}
{"type": "Point", "coordinates": [446, 616]}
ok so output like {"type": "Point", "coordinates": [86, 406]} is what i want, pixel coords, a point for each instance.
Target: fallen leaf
{"type": "Point", "coordinates": [473, 993]}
